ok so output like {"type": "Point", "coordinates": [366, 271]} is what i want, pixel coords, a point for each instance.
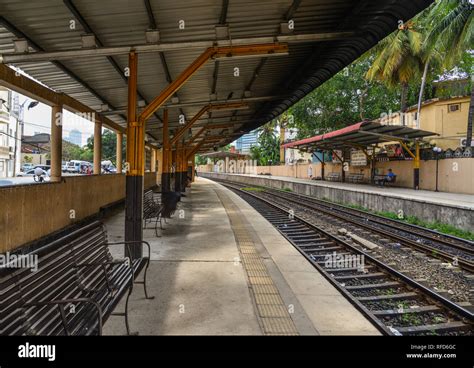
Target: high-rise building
{"type": "Point", "coordinates": [245, 142]}
{"type": "Point", "coordinates": [75, 137]}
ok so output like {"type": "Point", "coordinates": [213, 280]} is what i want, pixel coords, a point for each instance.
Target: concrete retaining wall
{"type": "Point", "coordinates": [455, 175]}
{"type": "Point", "coordinates": [29, 212]}
{"type": "Point", "coordinates": [458, 217]}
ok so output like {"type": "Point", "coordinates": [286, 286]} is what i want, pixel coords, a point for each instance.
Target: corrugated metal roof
{"type": "Point", "coordinates": [95, 81]}
{"type": "Point", "coordinates": [364, 133]}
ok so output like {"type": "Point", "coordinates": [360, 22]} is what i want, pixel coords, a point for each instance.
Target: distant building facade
{"type": "Point", "coordinates": [444, 116]}
{"type": "Point", "coordinates": [293, 156]}
{"type": "Point", "coordinates": [247, 141]}
{"type": "Point", "coordinates": [75, 137]}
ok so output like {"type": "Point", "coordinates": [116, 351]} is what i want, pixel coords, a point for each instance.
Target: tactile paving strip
{"type": "Point", "coordinates": [272, 313]}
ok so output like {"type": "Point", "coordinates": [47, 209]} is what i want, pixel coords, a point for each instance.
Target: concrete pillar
{"type": "Point", "coordinates": [193, 167]}
{"type": "Point", "coordinates": [119, 152]}
{"type": "Point", "coordinates": [153, 160]}
{"type": "Point", "coordinates": [97, 147]}
{"type": "Point", "coordinates": [56, 142]}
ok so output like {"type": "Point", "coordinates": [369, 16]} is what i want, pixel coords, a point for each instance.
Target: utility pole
{"type": "Point", "coordinates": [20, 127]}
{"type": "Point", "coordinates": [17, 129]}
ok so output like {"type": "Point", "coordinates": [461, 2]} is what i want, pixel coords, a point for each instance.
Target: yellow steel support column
{"type": "Point", "coordinates": [166, 172]}
{"type": "Point", "coordinates": [173, 167]}
{"type": "Point", "coordinates": [98, 147]}
{"type": "Point", "coordinates": [177, 167]}
{"type": "Point", "coordinates": [135, 163]}
{"type": "Point", "coordinates": [56, 142]}
{"type": "Point", "coordinates": [416, 167]}
{"type": "Point", "coordinates": [184, 166]}
{"type": "Point", "coordinates": [118, 152]}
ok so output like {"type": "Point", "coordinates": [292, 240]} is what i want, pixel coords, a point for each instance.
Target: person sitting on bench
{"type": "Point", "coordinates": [389, 178]}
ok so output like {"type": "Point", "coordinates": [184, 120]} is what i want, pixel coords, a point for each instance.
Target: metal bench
{"type": "Point", "coordinates": [355, 178]}
{"type": "Point", "coordinates": [381, 180]}
{"type": "Point", "coordinates": [333, 177]}
{"type": "Point", "coordinates": [152, 210]}
{"type": "Point", "coordinates": [76, 287]}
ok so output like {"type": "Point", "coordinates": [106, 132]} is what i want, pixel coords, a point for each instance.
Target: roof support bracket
{"type": "Point", "coordinates": [211, 52]}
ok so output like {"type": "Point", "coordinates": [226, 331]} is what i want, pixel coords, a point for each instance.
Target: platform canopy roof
{"type": "Point", "coordinates": [322, 37]}
{"type": "Point", "coordinates": [360, 135]}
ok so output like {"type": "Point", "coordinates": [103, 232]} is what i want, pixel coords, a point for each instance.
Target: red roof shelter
{"type": "Point", "coordinates": [362, 136]}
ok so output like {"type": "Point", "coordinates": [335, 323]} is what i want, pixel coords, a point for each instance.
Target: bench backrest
{"type": "Point", "coordinates": [55, 278]}
{"type": "Point", "coordinates": [149, 204]}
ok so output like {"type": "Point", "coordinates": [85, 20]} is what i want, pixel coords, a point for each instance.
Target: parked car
{"type": "Point", "coordinates": [27, 166]}
{"type": "Point", "coordinates": [108, 167]}
{"type": "Point", "coordinates": [77, 166]}
{"type": "Point", "coordinates": [31, 172]}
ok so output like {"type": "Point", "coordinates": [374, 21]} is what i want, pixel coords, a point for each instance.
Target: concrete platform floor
{"type": "Point", "coordinates": [220, 268]}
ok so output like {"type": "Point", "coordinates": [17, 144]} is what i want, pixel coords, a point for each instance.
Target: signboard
{"type": "Point", "coordinates": [358, 158]}
{"type": "Point", "coordinates": [335, 159]}
{"type": "Point", "coordinates": [394, 150]}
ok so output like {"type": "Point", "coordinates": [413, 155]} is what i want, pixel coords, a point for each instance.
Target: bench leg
{"type": "Point", "coordinates": [156, 226]}
{"type": "Point", "coordinates": [125, 314]}
{"type": "Point", "coordinates": [144, 281]}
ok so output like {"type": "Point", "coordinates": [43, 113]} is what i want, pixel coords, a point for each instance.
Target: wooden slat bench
{"type": "Point", "coordinates": [75, 289]}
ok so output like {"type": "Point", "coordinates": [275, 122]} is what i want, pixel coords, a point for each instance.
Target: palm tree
{"type": "Point", "coordinates": [399, 60]}
{"type": "Point", "coordinates": [452, 35]}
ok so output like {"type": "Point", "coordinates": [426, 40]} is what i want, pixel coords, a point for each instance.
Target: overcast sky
{"type": "Point", "coordinates": [38, 120]}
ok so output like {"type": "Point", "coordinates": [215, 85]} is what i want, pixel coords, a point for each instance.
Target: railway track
{"type": "Point", "coordinates": [445, 247]}
{"type": "Point", "coordinates": [395, 303]}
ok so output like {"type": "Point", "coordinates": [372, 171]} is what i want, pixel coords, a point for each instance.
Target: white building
{"type": "Point", "coordinates": [293, 156]}
{"type": "Point", "coordinates": [9, 138]}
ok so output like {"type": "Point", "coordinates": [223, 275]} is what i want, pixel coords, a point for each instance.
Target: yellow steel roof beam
{"type": "Point", "coordinates": [210, 53]}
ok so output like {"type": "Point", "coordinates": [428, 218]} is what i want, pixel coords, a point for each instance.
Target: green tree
{"type": "Point", "coordinates": [71, 151]}
{"type": "Point", "coordinates": [200, 160]}
{"type": "Point", "coordinates": [452, 33]}
{"type": "Point", "coordinates": [267, 151]}
{"type": "Point", "coordinates": [109, 144]}
{"type": "Point", "coordinates": [399, 59]}
{"type": "Point", "coordinates": [345, 99]}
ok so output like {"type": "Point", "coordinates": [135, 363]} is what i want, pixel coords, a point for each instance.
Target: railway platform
{"type": "Point", "coordinates": [221, 269]}
{"type": "Point", "coordinates": [450, 208]}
